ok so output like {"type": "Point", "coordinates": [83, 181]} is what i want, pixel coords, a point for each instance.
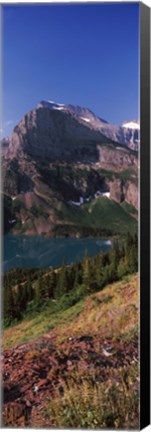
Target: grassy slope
{"type": "Point", "coordinates": [100, 213]}
{"type": "Point", "coordinates": [129, 208]}
{"type": "Point", "coordinates": [113, 311]}
{"type": "Point", "coordinates": [97, 392]}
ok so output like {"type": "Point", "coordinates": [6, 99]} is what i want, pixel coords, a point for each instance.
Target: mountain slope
{"type": "Point", "coordinates": [127, 134]}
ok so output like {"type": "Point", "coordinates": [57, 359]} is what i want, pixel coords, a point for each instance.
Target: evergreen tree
{"type": "Point", "coordinates": [114, 261]}
{"type": "Point", "coordinates": [62, 282]}
{"type": "Point", "coordinates": [29, 289]}
{"type": "Point", "coordinates": [9, 305]}
{"type": "Point", "coordinates": [50, 283]}
{"type": "Point", "coordinates": [38, 293]}
{"type": "Point", "coordinates": [86, 274]}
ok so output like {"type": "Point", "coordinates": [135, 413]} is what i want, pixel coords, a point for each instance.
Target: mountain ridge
{"type": "Point", "coordinates": [127, 133]}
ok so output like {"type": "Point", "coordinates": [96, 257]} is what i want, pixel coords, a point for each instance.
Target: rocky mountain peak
{"type": "Point", "coordinates": [126, 134]}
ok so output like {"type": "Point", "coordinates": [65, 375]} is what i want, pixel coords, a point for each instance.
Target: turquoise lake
{"type": "Point", "coordinates": [40, 252]}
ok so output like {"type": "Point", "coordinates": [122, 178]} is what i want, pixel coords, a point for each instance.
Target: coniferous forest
{"type": "Point", "coordinates": [29, 291]}
{"type": "Point", "coordinates": [71, 342]}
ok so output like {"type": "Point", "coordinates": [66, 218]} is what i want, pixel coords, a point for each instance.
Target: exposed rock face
{"type": "Point", "coordinates": [128, 134]}
{"type": "Point", "coordinates": [16, 179]}
{"type": "Point", "coordinates": [116, 190]}
{"type": "Point", "coordinates": [45, 133]}
{"type": "Point", "coordinates": [131, 194]}
{"type": "Point", "coordinates": [4, 146]}
{"type": "Point", "coordinates": [121, 190]}
{"type": "Point", "coordinates": [65, 132]}
{"type": "Point", "coordinates": [116, 158]}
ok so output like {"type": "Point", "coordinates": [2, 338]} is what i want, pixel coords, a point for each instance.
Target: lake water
{"type": "Point", "coordinates": [40, 252]}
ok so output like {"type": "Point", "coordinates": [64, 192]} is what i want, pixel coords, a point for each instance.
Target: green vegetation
{"type": "Point", "coordinates": [57, 185]}
{"type": "Point", "coordinates": [81, 308]}
{"type": "Point", "coordinates": [129, 208]}
{"type": "Point", "coordinates": [28, 293]}
{"type": "Point", "coordinates": [128, 174]}
{"type": "Point", "coordinates": [110, 404]}
{"type": "Point", "coordinates": [101, 217]}
{"type": "Point", "coordinates": [37, 211]}
{"type": "Point", "coordinates": [17, 205]}
{"type": "Point", "coordinates": [104, 396]}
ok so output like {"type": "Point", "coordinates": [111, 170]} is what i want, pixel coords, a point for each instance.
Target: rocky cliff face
{"type": "Point", "coordinates": [131, 194]}
{"type": "Point", "coordinates": [65, 131]}
{"type": "Point", "coordinates": [128, 134]}
{"type": "Point", "coordinates": [121, 190]}
{"type": "Point", "coordinates": [116, 158]}
{"type": "Point", "coordinates": [45, 133]}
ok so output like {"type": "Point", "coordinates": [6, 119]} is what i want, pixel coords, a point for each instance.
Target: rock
{"type": "Point", "coordinates": [53, 360]}
{"type": "Point", "coordinates": [28, 404]}
{"type": "Point", "coordinates": [69, 363]}
{"type": "Point", "coordinates": [25, 388]}
{"type": "Point", "coordinates": [61, 389]}
{"type": "Point", "coordinates": [31, 396]}
{"type": "Point", "coordinates": [43, 383]}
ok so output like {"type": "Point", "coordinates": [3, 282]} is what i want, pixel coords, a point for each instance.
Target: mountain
{"type": "Point", "coordinates": [57, 162]}
{"type": "Point", "coordinates": [127, 134]}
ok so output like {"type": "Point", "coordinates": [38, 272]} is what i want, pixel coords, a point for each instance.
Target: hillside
{"type": "Point", "coordinates": [79, 360]}
{"type": "Point", "coordinates": [71, 342]}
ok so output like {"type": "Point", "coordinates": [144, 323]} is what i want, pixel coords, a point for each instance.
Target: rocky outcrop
{"type": "Point", "coordinates": [131, 194]}
{"type": "Point", "coordinates": [116, 158]}
{"type": "Point", "coordinates": [123, 190]}
{"type": "Point", "coordinates": [127, 136]}
{"type": "Point", "coordinates": [116, 190]}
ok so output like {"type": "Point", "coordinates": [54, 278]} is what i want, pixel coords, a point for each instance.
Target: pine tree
{"type": "Point", "coordinates": [9, 305]}
{"type": "Point", "coordinates": [62, 282]}
{"type": "Point", "coordinates": [38, 292]}
{"type": "Point", "coordinates": [29, 289]}
{"type": "Point", "coordinates": [131, 254]}
{"type": "Point", "coordinates": [86, 273]}
{"type": "Point", "coordinates": [114, 257]}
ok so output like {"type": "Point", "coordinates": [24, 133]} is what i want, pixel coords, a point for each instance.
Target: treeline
{"type": "Point", "coordinates": [66, 230]}
{"type": "Point", "coordinates": [28, 291]}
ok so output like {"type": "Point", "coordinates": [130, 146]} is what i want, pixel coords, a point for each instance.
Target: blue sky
{"type": "Point", "coordinates": [73, 53]}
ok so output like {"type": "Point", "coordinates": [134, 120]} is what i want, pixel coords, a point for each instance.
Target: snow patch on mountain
{"type": "Point", "coordinates": [85, 119]}
{"type": "Point", "coordinates": [131, 125]}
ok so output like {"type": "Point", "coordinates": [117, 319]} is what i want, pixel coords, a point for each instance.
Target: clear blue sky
{"type": "Point", "coordinates": [72, 53]}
